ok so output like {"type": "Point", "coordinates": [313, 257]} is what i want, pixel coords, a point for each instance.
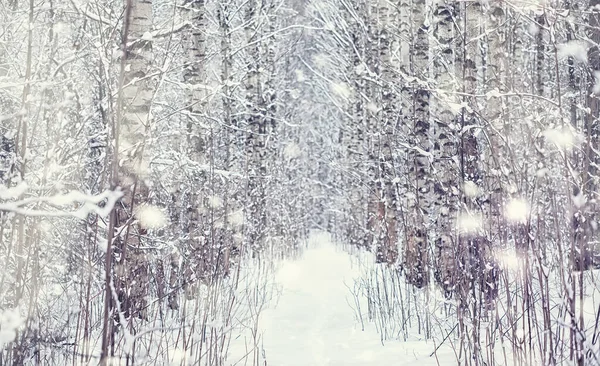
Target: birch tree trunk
{"type": "Point", "coordinates": [132, 263]}
{"type": "Point", "coordinates": [590, 254]}
{"type": "Point", "coordinates": [496, 79]}
{"type": "Point", "coordinates": [230, 246]}
{"type": "Point", "coordinates": [129, 168]}
{"type": "Point", "coordinates": [375, 206]}
{"type": "Point", "coordinates": [269, 110]}
{"type": "Point", "coordinates": [386, 250]}
{"type": "Point", "coordinates": [256, 131]}
{"type": "Point", "coordinates": [474, 249]}
{"type": "Point", "coordinates": [445, 147]}
{"type": "Point", "coordinates": [198, 250]}
{"type": "Point", "coordinates": [416, 261]}
{"type": "Point", "coordinates": [357, 128]}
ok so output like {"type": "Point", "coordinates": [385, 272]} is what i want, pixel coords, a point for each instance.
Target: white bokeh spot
{"type": "Point", "coordinates": [292, 151]}
{"type": "Point", "coordinates": [342, 89]}
{"type": "Point", "coordinates": [469, 223]}
{"type": "Point", "coordinates": [471, 189]}
{"type": "Point", "coordinates": [516, 210]}
{"type": "Point", "coordinates": [151, 217]}
{"type": "Point", "coordinates": [215, 202]}
{"type": "Point", "coordinates": [563, 138]}
{"type": "Point", "coordinates": [236, 218]}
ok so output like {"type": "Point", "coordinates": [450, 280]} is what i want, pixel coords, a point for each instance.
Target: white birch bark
{"type": "Point", "coordinates": [256, 130]}
{"type": "Point", "coordinates": [386, 250]}
{"type": "Point", "coordinates": [445, 145]}
{"type": "Point", "coordinates": [132, 263]}
{"type": "Point", "coordinates": [198, 252]}
{"type": "Point", "coordinates": [416, 260]}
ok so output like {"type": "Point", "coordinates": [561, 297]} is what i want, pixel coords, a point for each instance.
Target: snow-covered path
{"type": "Point", "coordinates": [314, 323]}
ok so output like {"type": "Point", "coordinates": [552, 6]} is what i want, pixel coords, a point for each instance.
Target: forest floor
{"type": "Point", "coordinates": [313, 320]}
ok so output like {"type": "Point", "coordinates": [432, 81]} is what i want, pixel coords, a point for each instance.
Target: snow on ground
{"type": "Point", "coordinates": [312, 321]}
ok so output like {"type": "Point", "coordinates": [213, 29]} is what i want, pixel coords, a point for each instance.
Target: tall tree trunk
{"type": "Point", "coordinates": [132, 262]}
{"type": "Point", "coordinates": [129, 275]}
{"type": "Point", "coordinates": [230, 247]}
{"type": "Point", "coordinates": [496, 79]}
{"type": "Point", "coordinates": [445, 147]}
{"type": "Point", "coordinates": [386, 251]}
{"type": "Point", "coordinates": [269, 109]}
{"type": "Point", "coordinates": [357, 127]}
{"type": "Point", "coordinates": [198, 250]}
{"type": "Point", "coordinates": [474, 249]}
{"type": "Point", "coordinates": [256, 132]}
{"type": "Point", "coordinates": [416, 259]}
{"type": "Point", "coordinates": [583, 229]}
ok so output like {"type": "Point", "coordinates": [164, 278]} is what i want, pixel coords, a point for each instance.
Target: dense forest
{"type": "Point", "coordinates": [160, 158]}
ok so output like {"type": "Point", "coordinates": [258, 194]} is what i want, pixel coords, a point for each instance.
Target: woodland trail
{"type": "Point", "coordinates": [314, 321]}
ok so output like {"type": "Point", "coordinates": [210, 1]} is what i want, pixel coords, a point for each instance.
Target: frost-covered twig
{"type": "Point", "coordinates": [89, 204]}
